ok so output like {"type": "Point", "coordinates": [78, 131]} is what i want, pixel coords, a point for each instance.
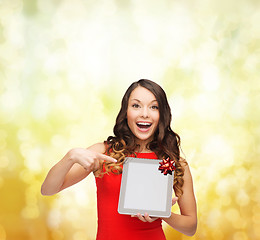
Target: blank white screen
{"type": "Point", "coordinates": [146, 187]}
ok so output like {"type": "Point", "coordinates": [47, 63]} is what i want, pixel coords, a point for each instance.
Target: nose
{"type": "Point", "coordinates": [145, 113]}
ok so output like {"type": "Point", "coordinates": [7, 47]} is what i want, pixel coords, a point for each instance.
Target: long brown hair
{"type": "Point", "coordinates": [166, 142]}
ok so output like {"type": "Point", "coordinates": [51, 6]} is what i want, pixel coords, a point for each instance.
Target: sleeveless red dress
{"type": "Point", "coordinates": [115, 226]}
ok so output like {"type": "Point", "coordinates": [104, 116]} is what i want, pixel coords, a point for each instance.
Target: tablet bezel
{"type": "Point", "coordinates": [125, 179]}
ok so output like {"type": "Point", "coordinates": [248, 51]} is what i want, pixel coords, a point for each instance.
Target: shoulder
{"type": "Point", "coordinates": [183, 163]}
{"type": "Point", "coordinates": [185, 166]}
{"type": "Point", "coordinates": [187, 176]}
{"type": "Point", "coordinates": [98, 147]}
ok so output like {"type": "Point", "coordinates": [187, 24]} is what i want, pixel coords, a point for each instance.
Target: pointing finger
{"type": "Point", "coordinates": [107, 158]}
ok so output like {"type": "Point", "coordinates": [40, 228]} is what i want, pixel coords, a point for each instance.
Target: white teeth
{"type": "Point", "coordinates": [144, 124]}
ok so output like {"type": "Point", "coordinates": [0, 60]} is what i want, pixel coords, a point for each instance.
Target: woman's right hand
{"type": "Point", "coordinates": [66, 173]}
{"type": "Point", "coordinates": [90, 160]}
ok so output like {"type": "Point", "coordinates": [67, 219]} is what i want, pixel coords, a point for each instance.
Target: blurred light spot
{"type": "Point", "coordinates": [2, 233]}
{"type": "Point", "coordinates": [72, 214]}
{"type": "Point", "coordinates": [108, 8]}
{"type": "Point", "coordinates": [32, 156]}
{"type": "Point", "coordinates": [41, 107]}
{"type": "Point", "coordinates": [251, 63]}
{"type": "Point", "coordinates": [205, 105]}
{"type": "Point", "coordinates": [147, 32]}
{"type": "Point", "coordinates": [26, 176]}
{"type": "Point", "coordinates": [23, 134]}
{"type": "Point", "coordinates": [234, 217]}
{"type": "Point", "coordinates": [222, 187]}
{"type": "Point", "coordinates": [206, 54]}
{"type": "Point", "coordinates": [57, 235]}
{"type": "Point", "coordinates": [11, 100]}
{"type": "Point", "coordinates": [217, 232]}
{"type": "Point", "coordinates": [45, 6]}
{"type": "Point", "coordinates": [222, 154]}
{"type": "Point", "coordinates": [30, 212]}
{"type": "Point", "coordinates": [238, 109]}
{"type": "Point", "coordinates": [2, 144]}
{"type": "Point", "coordinates": [187, 62]}
{"type": "Point", "coordinates": [210, 77]}
{"type": "Point", "coordinates": [81, 197]}
{"type": "Point", "coordinates": [57, 83]}
{"type": "Point", "coordinates": [255, 181]}
{"type": "Point", "coordinates": [213, 217]}
{"type": "Point", "coordinates": [178, 29]}
{"type": "Point", "coordinates": [3, 134]}
{"type": "Point", "coordinates": [4, 161]}
{"type": "Point", "coordinates": [6, 117]}
{"type": "Point", "coordinates": [257, 230]}
{"type": "Point", "coordinates": [58, 141]}
{"type": "Point", "coordinates": [79, 235]}
{"type": "Point", "coordinates": [241, 171]}
{"type": "Point", "coordinates": [232, 214]}
{"type": "Point", "coordinates": [52, 64]}
{"type": "Point", "coordinates": [9, 159]}
{"type": "Point", "coordinates": [226, 200]}
{"type": "Point", "coordinates": [256, 215]}
{"type": "Point", "coordinates": [242, 198]}
{"type": "Point", "coordinates": [77, 81]}
{"type": "Point", "coordinates": [31, 196]}
{"type": "Point", "coordinates": [54, 218]}
{"type": "Point", "coordinates": [1, 182]}
{"type": "Point", "coordinates": [177, 104]}
{"type": "Point", "coordinates": [63, 101]}
{"type": "Point", "coordinates": [240, 236]}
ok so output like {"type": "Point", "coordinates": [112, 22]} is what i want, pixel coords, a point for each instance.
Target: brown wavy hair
{"type": "Point", "coordinates": [166, 143]}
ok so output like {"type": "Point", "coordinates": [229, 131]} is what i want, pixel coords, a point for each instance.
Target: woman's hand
{"type": "Point", "coordinates": [88, 159]}
{"type": "Point", "coordinates": [66, 173]}
{"type": "Point", "coordinates": [147, 218]}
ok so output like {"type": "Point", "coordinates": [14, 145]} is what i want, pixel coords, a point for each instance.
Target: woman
{"type": "Point", "coordinates": [142, 130]}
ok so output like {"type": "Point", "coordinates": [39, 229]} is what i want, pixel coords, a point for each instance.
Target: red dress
{"type": "Point", "coordinates": [115, 226]}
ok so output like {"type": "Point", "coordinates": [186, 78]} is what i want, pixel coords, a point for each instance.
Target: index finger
{"type": "Point", "coordinates": [107, 158]}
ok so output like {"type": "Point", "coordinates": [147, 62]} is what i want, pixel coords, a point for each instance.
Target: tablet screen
{"type": "Point", "coordinates": [144, 188]}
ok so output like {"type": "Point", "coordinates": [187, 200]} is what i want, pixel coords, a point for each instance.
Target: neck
{"type": "Point", "coordinates": [141, 148]}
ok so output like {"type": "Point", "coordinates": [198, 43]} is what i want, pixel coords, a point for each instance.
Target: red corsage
{"type": "Point", "coordinates": [167, 166]}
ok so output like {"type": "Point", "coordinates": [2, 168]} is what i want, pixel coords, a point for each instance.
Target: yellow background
{"type": "Point", "coordinates": [64, 66]}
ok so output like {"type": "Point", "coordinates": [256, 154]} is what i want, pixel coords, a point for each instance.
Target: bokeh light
{"type": "Point", "coordinates": [64, 66]}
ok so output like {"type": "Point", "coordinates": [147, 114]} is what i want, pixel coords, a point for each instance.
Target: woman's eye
{"type": "Point", "coordinates": [155, 107]}
{"type": "Point", "coordinates": [135, 105]}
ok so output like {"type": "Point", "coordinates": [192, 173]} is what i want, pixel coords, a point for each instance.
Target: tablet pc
{"type": "Point", "coordinates": [145, 189]}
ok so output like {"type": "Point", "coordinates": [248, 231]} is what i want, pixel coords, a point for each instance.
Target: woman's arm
{"type": "Point", "coordinates": [186, 222]}
{"type": "Point", "coordinates": [77, 164]}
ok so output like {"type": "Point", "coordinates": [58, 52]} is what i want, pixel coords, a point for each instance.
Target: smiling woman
{"type": "Point", "coordinates": [142, 130]}
{"type": "Point", "coordinates": [142, 116]}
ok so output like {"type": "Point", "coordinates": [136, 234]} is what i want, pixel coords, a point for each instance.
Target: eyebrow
{"type": "Point", "coordinates": [140, 101]}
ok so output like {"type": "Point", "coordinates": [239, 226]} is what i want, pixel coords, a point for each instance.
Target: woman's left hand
{"type": "Point", "coordinates": [147, 218]}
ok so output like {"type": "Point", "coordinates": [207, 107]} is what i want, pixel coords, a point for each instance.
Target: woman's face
{"type": "Point", "coordinates": [142, 114]}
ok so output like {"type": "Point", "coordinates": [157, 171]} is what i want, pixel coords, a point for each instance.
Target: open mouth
{"type": "Point", "coordinates": [143, 125]}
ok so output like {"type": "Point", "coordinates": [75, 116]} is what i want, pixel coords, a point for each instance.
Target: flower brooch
{"type": "Point", "coordinates": [167, 166]}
